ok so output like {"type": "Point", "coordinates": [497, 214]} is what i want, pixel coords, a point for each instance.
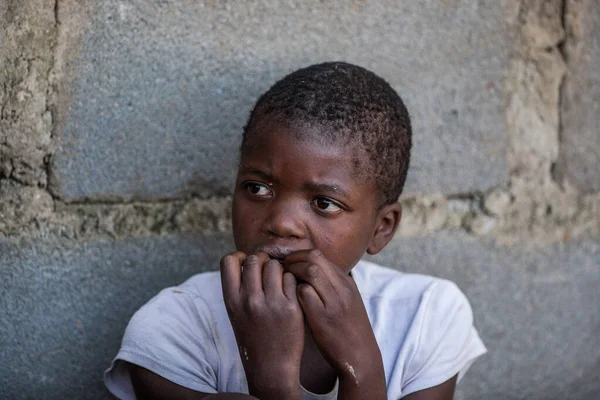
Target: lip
{"type": "Point", "coordinates": [276, 252]}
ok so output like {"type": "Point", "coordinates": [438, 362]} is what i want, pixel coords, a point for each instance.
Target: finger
{"type": "Point", "coordinates": [289, 286]}
{"type": "Point", "coordinates": [315, 275]}
{"type": "Point", "coordinates": [272, 277]}
{"type": "Point", "coordinates": [231, 273]}
{"type": "Point", "coordinates": [252, 273]}
{"type": "Point", "coordinates": [314, 256]}
{"type": "Point", "coordinates": [303, 255]}
{"type": "Point", "coordinates": [310, 302]}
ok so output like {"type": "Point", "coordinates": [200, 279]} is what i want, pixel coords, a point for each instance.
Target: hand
{"type": "Point", "coordinates": [338, 320]}
{"type": "Point", "coordinates": [268, 323]}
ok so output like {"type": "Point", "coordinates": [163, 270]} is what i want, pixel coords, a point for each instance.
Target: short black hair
{"type": "Point", "coordinates": [354, 107]}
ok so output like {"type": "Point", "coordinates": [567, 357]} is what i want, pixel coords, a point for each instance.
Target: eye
{"type": "Point", "coordinates": [257, 189]}
{"type": "Point", "coordinates": [325, 205]}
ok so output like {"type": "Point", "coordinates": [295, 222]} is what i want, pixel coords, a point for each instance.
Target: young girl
{"type": "Point", "coordinates": [294, 313]}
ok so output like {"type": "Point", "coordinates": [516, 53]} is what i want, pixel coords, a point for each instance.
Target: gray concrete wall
{"type": "Point", "coordinates": [119, 127]}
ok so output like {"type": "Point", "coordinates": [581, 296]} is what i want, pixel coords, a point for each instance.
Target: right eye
{"type": "Point", "coordinates": [258, 189]}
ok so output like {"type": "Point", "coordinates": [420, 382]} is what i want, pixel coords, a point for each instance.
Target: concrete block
{"type": "Point", "coordinates": [65, 306]}
{"type": "Point", "coordinates": [27, 35]}
{"type": "Point", "coordinates": [536, 310]}
{"type": "Point", "coordinates": [154, 103]}
{"type": "Point", "coordinates": [579, 157]}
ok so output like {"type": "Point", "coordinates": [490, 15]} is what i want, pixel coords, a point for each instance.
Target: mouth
{"type": "Point", "coordinates": [277, 253]}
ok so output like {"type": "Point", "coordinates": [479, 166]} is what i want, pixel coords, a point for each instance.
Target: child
{"type": "Point", "coordinates": [295, 313]}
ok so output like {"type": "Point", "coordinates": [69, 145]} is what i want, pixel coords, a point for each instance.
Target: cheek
{"type": "Point", "coordinates": [246, 220]}
{"type": "Point", "coordinates": [343, 244]}
{"type": "Point", "coordinates": [244, 216]}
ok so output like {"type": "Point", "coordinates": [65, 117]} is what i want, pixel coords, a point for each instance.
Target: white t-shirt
{"type": "Point", "coordinates": [423, 325]}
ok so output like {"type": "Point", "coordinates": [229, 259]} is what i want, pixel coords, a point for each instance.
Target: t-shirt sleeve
{"type": "Point", "coordinates": [446, 340]}
{"type": "Point", "coordinates": [172, 336]}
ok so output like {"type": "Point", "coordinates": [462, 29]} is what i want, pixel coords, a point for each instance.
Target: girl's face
{"type": "Point", "coordinates": [293, 194]}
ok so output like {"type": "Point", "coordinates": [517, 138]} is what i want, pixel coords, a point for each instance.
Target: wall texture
{"type": "Point", "coordinates": [119, 127]}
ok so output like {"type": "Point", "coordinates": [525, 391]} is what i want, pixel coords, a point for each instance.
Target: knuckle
{"type": "Point", "coordinates": [251, 260]}
{"type": "Point", "coordinates": [315, 255]}
{"type": "Point", "coordinates": [291, 308]}
{"type": "Point", "coordinates": [262, 254]}
{"type": "Point", "coordinates": [253, 305]}
{"type": "Point", "coordinates": [313, 271]}
{"type": "Point", "coordinates": [226, 261]}
{"type": "Point", "coordinates": [272, 264]}
{"type": "Point", "coordinates": [344, 304]}
{"type": "Point", "coordinates": [303, 289]}
{"type": "Point", "coordinates": [346, 297]}
{"type": "Point", "coordinates": [346, 294]}
{"type": "Point", "coordinates": [289, 278]}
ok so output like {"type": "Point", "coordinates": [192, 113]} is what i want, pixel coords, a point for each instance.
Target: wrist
{"type": "Point", "coordinates": [279, 383]}
{"type": "Point", "coordinates": [274, 389]}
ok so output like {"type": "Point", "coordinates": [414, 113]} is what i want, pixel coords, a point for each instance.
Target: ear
{"type": "Point", "coordinates": [388, 220]}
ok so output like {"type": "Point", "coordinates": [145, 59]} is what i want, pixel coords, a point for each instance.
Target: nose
{"type": "Point", "coordinates": [284, 220]}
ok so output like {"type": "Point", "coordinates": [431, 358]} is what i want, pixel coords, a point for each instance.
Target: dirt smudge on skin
{"type": "Point", "coordinates": [350, 370]}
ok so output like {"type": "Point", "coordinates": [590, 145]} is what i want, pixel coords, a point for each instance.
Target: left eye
{"type": "Point", "coordinates": [257, 189]}
{"type": "Point", "coordinates": [326, 205]}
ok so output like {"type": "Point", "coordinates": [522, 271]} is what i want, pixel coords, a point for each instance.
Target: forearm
{"type": "Point", "coordinates": [362, 384]}
{"type": "Point", "coordinates": [277, 393]}
{"type": "Point", "coordinates": [275, 387]}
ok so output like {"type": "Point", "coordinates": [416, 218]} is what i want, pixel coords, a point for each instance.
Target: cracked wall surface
{"type": "Point", "coordinates": [119, 128]}
{"type": "Point", "coordinates": [579, 155]}
{"type": "Point", "coordinates": [26, 61]}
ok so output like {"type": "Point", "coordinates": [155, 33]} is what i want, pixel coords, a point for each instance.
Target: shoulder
{"type": "Point", "coordinates": [424, 324]}
{"type": "Point", "coordinates": [206, 286]}
{"type": "Point", "coordinates": [428, 301]}
{"type": "Point", "coordinates": [195, 307]}
{"type": "Point", "coordinates": [444, 341]}
{"type": "Point", "coordinates": [190, 308]}
{"type": "Point", "coordinates": [175, 335]}
{"type": "Point", "coordinates": [374, 280]}
{"type": "Point", "coordinates": [194, 299]}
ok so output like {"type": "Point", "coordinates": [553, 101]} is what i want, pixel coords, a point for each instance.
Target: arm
{"type": "Point", "coordinates": [342, 331]}
{"type": "Point", "coordinates": [269, 329]}
{"type": "Point", "coordinates": [267, 321]}
{"type": "Point", "coordinates": [447, 343]}
{"type": "Point", "coordinates": [150, 386]}
{"type": "Point", "coordinates": [339, 324]}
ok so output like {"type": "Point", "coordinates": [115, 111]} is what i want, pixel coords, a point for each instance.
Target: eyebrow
{"type": "Point", "coordinates": [324, 187]}
{"type": "Point", "coordinates": [261, 173]}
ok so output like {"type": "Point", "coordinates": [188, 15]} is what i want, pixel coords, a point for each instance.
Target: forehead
{"type": "Point", "coordinates": [303, 150]}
